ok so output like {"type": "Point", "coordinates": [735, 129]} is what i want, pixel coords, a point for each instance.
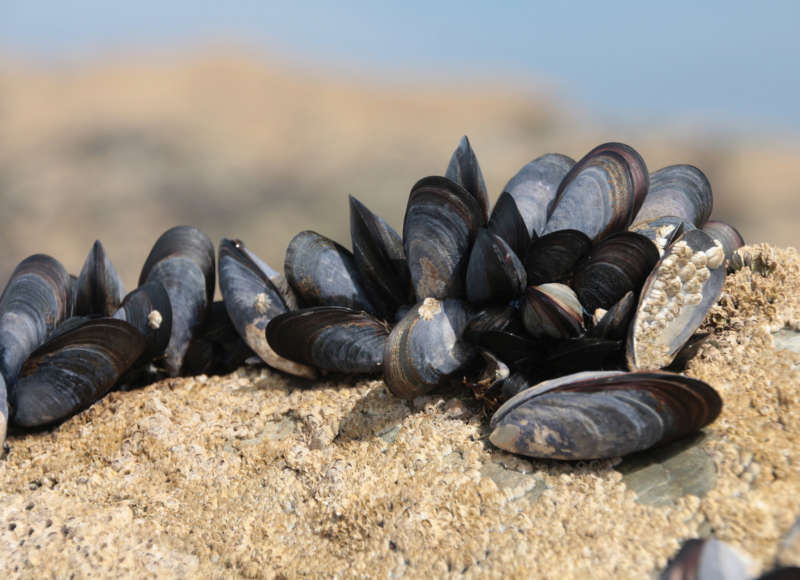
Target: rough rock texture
{"type": "Point", "coordinates": [258, 475]}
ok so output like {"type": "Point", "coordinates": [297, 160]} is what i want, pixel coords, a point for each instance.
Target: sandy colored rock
{"type": "Point", "coordinates": [255, 474]}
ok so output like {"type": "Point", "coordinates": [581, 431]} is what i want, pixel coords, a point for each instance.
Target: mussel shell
{"type": "Point", "coordinates": [496, 317]}
{"type": "Point", "coordinates": [552, 310]}
{"type": "Point", "coordinates": [39, 295]}
{"type": "Point", "coordinates": [494, 272]}
{"type": "Point", "coordinates": [217, 349]}
{"type": "Point", "coordinates": [594, 415]}
{"type": "Point", "coordinates": [615, 322]}
{"type": "Point", "coordinates": [185, 242]}
{"type": "Point", "coordinates": [706, 559]}
{"type": "Point", "coordinates": [534, 189]}
{"type": "Point", "coordinates": [601, 193]}
{"type": "Point", "coordinates": [99, 289]}
{"type": "Point", "coordinates": [380, 257]}
{"type": "Point", "coordinates": [662, 231]}
{"type": "Point", "coordinates": [678, 190]}
{"type": "Point", "coordinates": [465, 171]}
{"type": "Point", "coordinates": [252, 300]}
{"type": "Point", "coordinates": [323, 273]}
{"type": "Point", "coordinates": [617, 264]}
{"type": "Point", "coordinates": [425, 349]}
{"type": "Point", "coordinates": [725, 234]}
{"type": "Point", "coordinates": [518, 351]}
{"type": "Point", "coordinates": [684, 284]}
{"type": "Point", "coordinates": [73, 370]}
{"type": "Point", "coordinates": [552, 257]}
{"type": "Point", "coordinates": [441, 222]}
{"type": "Point", "coordinates": [331, 338]}
{"type": "Point", "coordinates": [507, 222]}
{"type": "Point", "coordinates": [149, 310]}
{"type": "Point", "coordinates": [3, 410]}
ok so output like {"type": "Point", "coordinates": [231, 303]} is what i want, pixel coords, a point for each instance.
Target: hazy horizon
{"type": "Point", "coordinates": [727, 64]}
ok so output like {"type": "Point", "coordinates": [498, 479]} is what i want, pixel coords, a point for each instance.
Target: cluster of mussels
{"type": "Point", "coordinates": [581, 268]}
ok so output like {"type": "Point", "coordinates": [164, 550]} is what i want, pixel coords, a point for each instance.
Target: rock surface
{"type": "Point", "coordinates": [257, 475]}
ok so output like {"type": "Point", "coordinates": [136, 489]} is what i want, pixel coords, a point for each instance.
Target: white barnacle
{"type": "Point", "coordinates": [674, 286]}
{"type": "Point", "coordinates": [429, 308]}
{"type": "Point", "coordinates": [682, 250]}
{"type": "Point", "coordinates": [154, 319]}
{"type": "Point", "coordinates": [598, 314]}
{"type": "Point", "coordinates": [702, 275]}
{"type": "Point", "coordinates": [694, 286]}
{"type": "Point", "coordinates": [262, 303]}
{"type": "Point", "coordinates": [694, 298]}
{"type": "Point", "coordinates": [687, 272]}
{"type": "Point", "coordinates": [715, 255]}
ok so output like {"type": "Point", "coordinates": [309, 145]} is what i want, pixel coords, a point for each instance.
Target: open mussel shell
{"type": "Point", "coordinates": [725, 234]}
{"type": "Point", "coordinates": [182, 260]}
{"type": "Point", "coordinates": [440, 224]}
{"type": "Point", "coordinates": [330, 338]}
{"type": "Point", "coordinates": [552, 257]}
{"type": "Point", "coordinates": [380, 257]}
{"type": "Point", "coordinates": [252, 300]}
{"type": "Point", "coordinates": [323, 273]}
{"type": "Point", "coordinates": [99, 289]}
{"type": "Point", "coordinates": [507, 223]}
{"type": "Point", "coordinates": [149, 310]}
{"type": "Point", "coordinates": [494, 272]}
{"type": "Point", "coordinates": [534, 189]}
{"type": "Point", "coordinates": [613, 323]}
{"type": "Point", "coordinates": [38, 296]}
{"type": "Point", "coordinates": [600, 414]}
{"type": "Point", "coordinates": [617, 264]}
{"type": "Point", "coordinates": [706, 559]}
{"type": "Point", "coordinates": [552, 310]}
{"type": "Point", "coordinates": [426, 349]}
{"type": "Point", "coordinates": [601, 193]}
{"type": "Point", "coordinates": [662, 231]}
{"type": "Point", "coordinates": [465, 171]}
{"type": "Point", "coordinates": [678, 190]}
{"type": "Point", "coordinates": [685, 283]}
{"type": "Point", "coordinates": [73, 370]}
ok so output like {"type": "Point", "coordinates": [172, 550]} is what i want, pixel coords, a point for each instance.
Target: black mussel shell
{"type": "Point", "coordinates": [380, 257]}
{"type": "Point", "coordinates": [552, 310]}
{"type": "Point", "coordinates": [514, 348]}
{"type": "Point", "coordinates": [217, 349]}
{"type": "Point", "coordinates": [38, 296]}
{"type": "Point", "coordinates": [613, 324]}
{"type": "Point", "coordinates": [182, 260]}
{"type": "Point", "coordinates": [552, 257]}
{"type": "Point", "coordinates": [534, 189]}
{"type": "Point", "coordinates": [3, 410]}
{"type": "Point", "coordinates": [323, 273]}
{"type": "Point", "coordinates": [601, 194]}
{"type": "Point", "coordinates": [99, 289]}
{"type": "Point", "coordinates": [617, 264]}
{"type": "Point", "coordinates": [440, 224]}
{"type": "Point", "coordinates": [494, 272]}
{"type": "Point", "coordinates": [331, 338]}
{"type": "Point", "coordinates": [683, 286]}
{"type": "Point", "coordinates": [252, 300]}
{"type": "Point", "coordinates": [497, 317]}
{"type": "Point", "coordinates": [678, 190]}
{"type": "Point", "coordinates": [73, 370]}
{"type": "Point", "coordinates": [465, 171]}
{"type": "Point", "coordinates": [594, 415]}
{"type": "Point", "coordinates": [507, 222]}
{"type": "Point", "coordinates": [426, 348]}
{"type": "Point", "coordinates": [149, 310]}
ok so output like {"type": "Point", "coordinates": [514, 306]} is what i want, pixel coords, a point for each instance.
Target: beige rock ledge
{"type": "Point", "coordinates": [250, 475]}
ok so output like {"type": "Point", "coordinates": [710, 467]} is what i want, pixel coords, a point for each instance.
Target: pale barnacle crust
{"type": "Point", "coordinates": [154, 319]}
{"type": "Point", "coordinates": [675, 298]}
{"type": "Point", "coordinates": [662, 237]}
{"type": "Point", "coordinates": [429, 308]}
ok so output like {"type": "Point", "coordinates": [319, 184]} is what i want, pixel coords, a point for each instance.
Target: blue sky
{"type": "Point", "coordinates": [730, 63]}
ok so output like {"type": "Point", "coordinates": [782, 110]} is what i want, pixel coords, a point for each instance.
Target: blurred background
{"type": "Point", "coordinates": [257, 119]}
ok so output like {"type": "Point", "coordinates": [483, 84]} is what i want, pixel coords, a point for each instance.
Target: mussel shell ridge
{"type": "Point", "coordinates": [425, 349]}
{"type": "Point", "coordinates": [331, 338]}
{"type": "Point", "coordinates": [73, 370]}
{"type": "Point", "coordinates": [594, 415]}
